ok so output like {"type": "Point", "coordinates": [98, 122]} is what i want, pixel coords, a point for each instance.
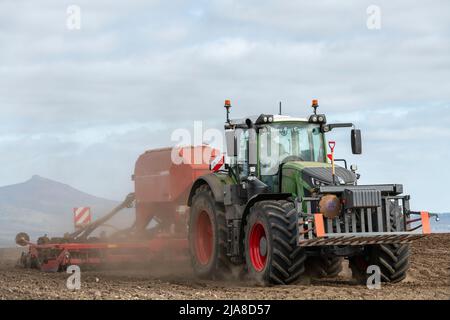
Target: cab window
{"type": "Point", "coordinates": [242, 145]}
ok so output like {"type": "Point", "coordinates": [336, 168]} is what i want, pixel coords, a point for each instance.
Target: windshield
{"type": "Point", "coordinates": [299, 142]}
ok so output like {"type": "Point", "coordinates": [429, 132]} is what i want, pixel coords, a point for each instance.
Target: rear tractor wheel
{"type": "Point", "coordinates": [207, 236]}
{"type": "Point", "coordinates": [271, 252]}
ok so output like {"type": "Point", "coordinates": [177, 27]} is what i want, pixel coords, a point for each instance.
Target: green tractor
{"type": "Point", "coordinates": [281, 206]}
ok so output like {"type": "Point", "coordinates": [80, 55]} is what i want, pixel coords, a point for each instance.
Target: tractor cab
{"type": "Point", "coordinates": [272, 147]}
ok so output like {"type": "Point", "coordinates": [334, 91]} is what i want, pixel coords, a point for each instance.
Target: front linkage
{"type": "Point", "coordinates": [369, 225]}
{"type": "Point", "coordinates": [372, 214]}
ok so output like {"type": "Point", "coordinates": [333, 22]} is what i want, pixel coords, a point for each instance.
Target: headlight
{"type": "Point", "coordinates": [317, 182]}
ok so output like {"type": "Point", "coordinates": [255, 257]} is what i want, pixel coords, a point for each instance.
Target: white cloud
{"type": "Point", "coordinates": [90, 101]}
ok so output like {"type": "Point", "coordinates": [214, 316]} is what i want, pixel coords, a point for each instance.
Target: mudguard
{"type": "Point", "coordinates": [214, 183]}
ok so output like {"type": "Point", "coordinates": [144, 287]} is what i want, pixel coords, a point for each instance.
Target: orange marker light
{"type": "Point", "coordinates": [320, 228]}
{"type": "Point", "coordinates": [315, 103]}
{"type": "Point", "coordinates": [227, 103]}
{"type": "Point", "coordinates": [425, 217]}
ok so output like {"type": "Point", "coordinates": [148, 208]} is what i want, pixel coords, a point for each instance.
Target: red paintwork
{"type": "Point", "coordinates": [158, 179]}
{"type": "Point", "coordinates": [257, 233]}
{"type": "Point", "coordinates": [83, 254]}
{"type": "Point", "coordinates": [161, 186]}
{"type": "Point", "coordinates": [161, 189]}
{"type": "Point", "coordinates": [203, 238]}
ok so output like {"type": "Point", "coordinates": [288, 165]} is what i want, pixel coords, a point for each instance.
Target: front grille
{"type": "Point", "coordinates": [362, 198]}
{"type": "Point", "coordinates": [359, 220]}
{"type": "Point", "coordinates": [386, 219]}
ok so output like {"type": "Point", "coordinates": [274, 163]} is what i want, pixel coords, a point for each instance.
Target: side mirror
{"type": "Point", "coordinates": [230, 136]}
{"type": "Point", "coordinates": [356, 141]}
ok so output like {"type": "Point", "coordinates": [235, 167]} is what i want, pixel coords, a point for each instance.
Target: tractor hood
{"type": "Point", "coordinates": [317, 174]}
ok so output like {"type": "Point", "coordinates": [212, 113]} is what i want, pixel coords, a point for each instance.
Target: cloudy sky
{"type": "Point", "coordinates": [79, 106]}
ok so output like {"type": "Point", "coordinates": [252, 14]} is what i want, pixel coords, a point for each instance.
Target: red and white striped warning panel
{"type": "Point", "coordinates": [81, 216]}
{"type": "Point", "coordinates": [217, 163]}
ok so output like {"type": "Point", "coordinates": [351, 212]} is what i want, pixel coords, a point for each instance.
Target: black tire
{"type": "Point", "coordinates": [283, 259]}
{"type": "Point", "coordinates": [393, 259]}
{"type": "Point", "coordinates": [218, 264]}
{"type": "Point", "coordinates": [324, 266]}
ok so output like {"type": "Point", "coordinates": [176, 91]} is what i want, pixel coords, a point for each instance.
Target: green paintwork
{"type": "Point", "coordinates": [300, 165]}
{"type": "Point", "coordinates": [292, 181]}
{"type": "Point", "coordinates": [225, 178]}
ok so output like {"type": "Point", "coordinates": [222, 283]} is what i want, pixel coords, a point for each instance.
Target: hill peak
{"type": "Point", "coordinates": [38, 192]}
{"type": "Point", "coordinates": [43, 205]}
{"type": "Point", "coordinates": [38, 178]}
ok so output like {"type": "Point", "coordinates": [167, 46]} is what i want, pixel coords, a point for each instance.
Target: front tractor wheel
{"type": "Point", "coordinates": [393, 260]}
{"type": "Point", "coordinates": [324, 266]}
{"type": "Point", "coordinates": [207, 236]}
{"type": "Point", "coordinates": [271, 251]}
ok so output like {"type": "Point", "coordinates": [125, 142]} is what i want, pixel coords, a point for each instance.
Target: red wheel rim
{"type": "Point", "coordinates": [257, 256]}
{"type": "Point", "coordinates": [203, 238]}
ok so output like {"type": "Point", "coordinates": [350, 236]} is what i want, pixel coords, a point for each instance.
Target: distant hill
{"type": "Point", "coordinates": [39, 205]}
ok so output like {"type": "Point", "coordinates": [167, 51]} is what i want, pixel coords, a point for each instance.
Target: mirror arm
{"type": "Point", "coordinates": [331, 126]}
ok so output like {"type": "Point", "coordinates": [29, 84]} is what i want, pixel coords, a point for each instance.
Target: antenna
{"type": "Point", "coordinates": [280, 109]}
